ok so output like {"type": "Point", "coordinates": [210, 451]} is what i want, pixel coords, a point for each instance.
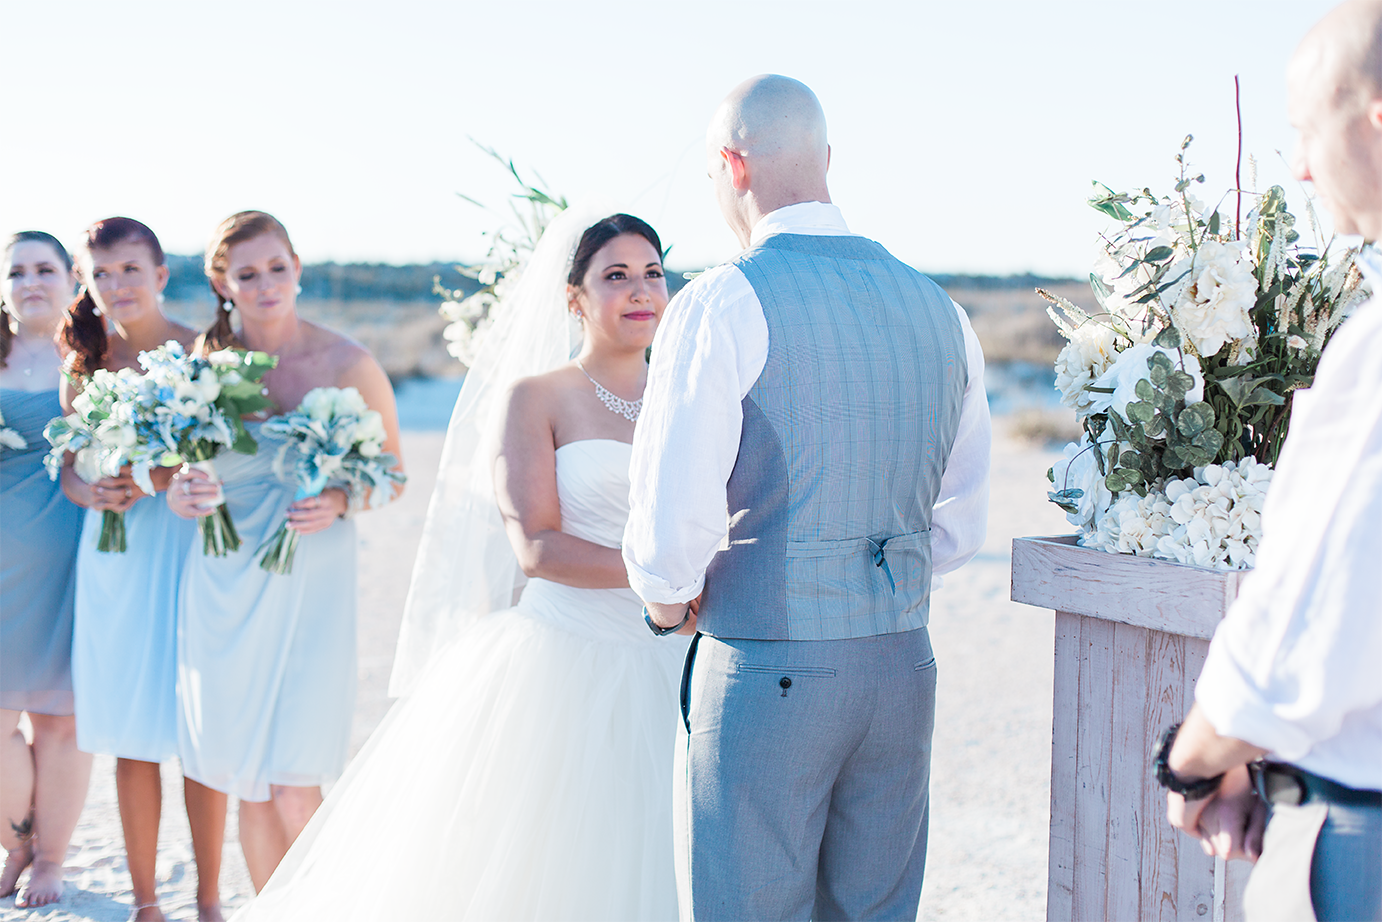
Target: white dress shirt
{"type": "Point", "coordinates": [1296, 665]}
{"type": "Point", "coordinates": [709, 350]}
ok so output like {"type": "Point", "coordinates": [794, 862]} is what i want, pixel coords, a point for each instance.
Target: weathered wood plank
{"type": "Point", "coordinates": [1236, 881]}
{"type": "Point", "coordinates": [1195, 874]}
{"type": "Point", "coordinates": [1160, 843]}
{"type": "Point", "coordinates": [1060, 876]}
{"type": "Point", "coordinates": [1094, 751]}
{"type": "Point", "coordinates": [1054, 573]}
{"type": "Point", "coordinates": [1126, 776]}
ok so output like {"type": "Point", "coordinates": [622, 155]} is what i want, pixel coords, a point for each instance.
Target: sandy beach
{"type": "Point", "coordinates": [989, 792]}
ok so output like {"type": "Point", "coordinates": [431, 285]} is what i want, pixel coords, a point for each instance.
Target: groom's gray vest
{"type": "Point", "coordinates": [845, 438]}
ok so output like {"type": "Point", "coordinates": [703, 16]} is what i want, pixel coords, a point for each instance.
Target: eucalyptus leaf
{"type": "Point", "coordinates": [1158, 254]}
{"type": "Point", "coordinates": [1168, 338]}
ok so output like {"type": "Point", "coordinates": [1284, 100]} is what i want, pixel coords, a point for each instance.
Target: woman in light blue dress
{"type": "Point", "coordinates": [43, 785]}
{"type": "Point", "coordinates": [267, 661]}
{"type": "Point", "coordinates": [124, 653]}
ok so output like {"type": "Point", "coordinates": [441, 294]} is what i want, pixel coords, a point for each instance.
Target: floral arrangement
{"type": "Point", "coordinates": [1183, 382]}
{"type": "Point", "coordinates": [188, 410]}
{"type": "Point", "coordinates": [471, 315]}
{"type": "Point", "coordinates": [338, 438]}
{"type": "Point", "coordinates": [183, 409]}
{"type": "Point", "coordinates": [9, 438]}
{"type": "Point", "coordinates": [100, 432]}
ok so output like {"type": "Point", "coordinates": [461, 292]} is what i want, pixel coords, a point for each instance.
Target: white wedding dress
{"type": "Point", "coordinates": [528, 775]}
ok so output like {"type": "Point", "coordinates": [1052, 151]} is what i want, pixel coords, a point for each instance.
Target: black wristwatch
{"type": "Point", "coordinates": [664, 631]}
{"type": "Point", "coordinates": [1190, 790]}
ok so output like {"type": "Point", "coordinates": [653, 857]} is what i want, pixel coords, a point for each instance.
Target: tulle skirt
{"type": "Point", "coordinates": [527, 777]}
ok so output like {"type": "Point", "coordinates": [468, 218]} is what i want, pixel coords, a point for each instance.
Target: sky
{"type": "Point", "coordinates": [964, 134]}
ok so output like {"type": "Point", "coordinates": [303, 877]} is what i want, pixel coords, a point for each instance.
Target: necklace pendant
{"type": "Point", "coordinates": [629, 409]}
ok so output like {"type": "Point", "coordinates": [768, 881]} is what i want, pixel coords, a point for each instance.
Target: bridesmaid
{"type": "Point", "coordinates": [272, 657]}
{"type": "Point", "coordinates": [43, 786]}
{"type": "Point", "coordinates": [124, 651]}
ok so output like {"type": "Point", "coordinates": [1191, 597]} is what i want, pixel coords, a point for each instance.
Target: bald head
{"type": "Point", "coordinates": [1342, 54]}
{"type": "Point", "coordinates": [775, 120]}
{"type": "Point", "coordinates": [767, 149]}
{"type": "Point", "coordinates": [1334, 95]}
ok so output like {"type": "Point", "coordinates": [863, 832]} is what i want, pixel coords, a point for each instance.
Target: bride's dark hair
{"type": "Point", "coordinates": [601, 233]}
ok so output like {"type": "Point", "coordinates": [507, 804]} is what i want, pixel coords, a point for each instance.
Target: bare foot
{"type": "Point", "coordinates": [211, 913]}
{"type": "Point", "coordinates": [148, 912]}
{"type": "Point", "coordinates": [44, 885]}
{"type": "Point", "coordinates": [15, 862]}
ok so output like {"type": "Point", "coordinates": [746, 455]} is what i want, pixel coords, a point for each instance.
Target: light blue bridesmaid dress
{"type": "Point", "coordinates": [124, 650]}
{"type": "Point", "coordinates": [267, 662]}
{"type": "Point", "coordinates": [38, 553]}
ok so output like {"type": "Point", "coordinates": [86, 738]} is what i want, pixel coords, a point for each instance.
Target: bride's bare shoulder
{"type": "Point", "coordinates": [537, 403]}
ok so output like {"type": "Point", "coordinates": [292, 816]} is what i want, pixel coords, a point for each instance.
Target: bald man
{"type": "Point", "coordinates": [1294, 672]}
{"type": "Point", "coordinates": [813, 448]}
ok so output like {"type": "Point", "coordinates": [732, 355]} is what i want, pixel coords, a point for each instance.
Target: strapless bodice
{"type": "Point", "coordinates": [593, 489]}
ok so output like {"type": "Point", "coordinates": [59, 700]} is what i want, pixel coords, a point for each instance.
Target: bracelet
{"type": "Point", "coordinates": [1198, 789]}
{"type": "Point", "coordinates": [664, 631]}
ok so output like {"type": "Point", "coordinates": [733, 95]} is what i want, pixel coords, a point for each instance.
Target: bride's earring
{"type": "Point", "coordinates": [579, 315]}
{"type": "Point", "coordinates": [297, 290]}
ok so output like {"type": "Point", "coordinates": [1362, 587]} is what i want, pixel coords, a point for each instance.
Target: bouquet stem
{"type": "Point", "coordinates": [112, 532]}
{"type": "Point", "coordinates": [219, 536]}
{"type": "Point", "coordinates": [276, 553]}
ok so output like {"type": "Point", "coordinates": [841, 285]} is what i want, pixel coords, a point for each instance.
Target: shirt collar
{"type": "Point", "coordinates": [819, 219]}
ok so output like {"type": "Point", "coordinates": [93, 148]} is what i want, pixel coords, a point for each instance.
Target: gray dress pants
{"type": "Point", "coordinates": [801, 778]}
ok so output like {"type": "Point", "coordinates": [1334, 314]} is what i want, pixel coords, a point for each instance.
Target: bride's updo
{"type": "Point", "coordinates": [601, 233]}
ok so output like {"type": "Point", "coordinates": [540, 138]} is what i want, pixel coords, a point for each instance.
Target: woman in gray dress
{"type": "Point", "coordinates": [42, 784]}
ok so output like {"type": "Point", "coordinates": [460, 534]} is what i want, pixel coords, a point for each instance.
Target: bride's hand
{"type": "Point", "coordinates": [316, 513]}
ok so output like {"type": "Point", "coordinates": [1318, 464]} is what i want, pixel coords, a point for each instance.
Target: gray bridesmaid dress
{"type": "Point", "coordinates": [39, 530]}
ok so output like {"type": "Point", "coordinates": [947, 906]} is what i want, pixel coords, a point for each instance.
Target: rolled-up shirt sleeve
{"type": "Point", "coordinates": [960, 520]}
{"type": "Point", "coordinates": [1296, 665]}
{"type": "Point", "coordinates": [687, 438]}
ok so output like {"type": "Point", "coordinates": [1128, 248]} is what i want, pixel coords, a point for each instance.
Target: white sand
{"type": "Point", "coordinates": [990, 786]}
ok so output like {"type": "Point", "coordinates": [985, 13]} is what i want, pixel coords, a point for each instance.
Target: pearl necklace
{"type": "Point", "coordinates": [629, 409]}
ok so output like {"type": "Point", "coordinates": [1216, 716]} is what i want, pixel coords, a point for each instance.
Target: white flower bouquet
{"type": "Point", "coordinates": [9, 438]}
{"type": "Point", "coordinates": [187, 409]}
{"type": "Point", "coordinates": [100, 431]}
{"type": "Point", "coordinates": [1183, 382]}
{"type": "Point", "coordinates": [338, 440]}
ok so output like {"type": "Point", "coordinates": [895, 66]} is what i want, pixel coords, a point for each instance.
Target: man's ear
{"type": "Point", "coordinates": [738, 168]}
{"type": "Point", "coordinates": [1374, 114]}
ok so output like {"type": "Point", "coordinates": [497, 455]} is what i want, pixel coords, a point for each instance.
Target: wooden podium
{"type": "Point", "coordinates": [1131, 637]}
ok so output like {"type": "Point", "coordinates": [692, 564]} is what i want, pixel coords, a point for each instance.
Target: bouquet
{"type": "Point", "coordinates": [338, 438]}
{"type": "Point", "coordinates": [101, 432]}
{"type": "Point", "coordinates": [1183, 382]}
{"type": "Point", "coordinates": [187, 410]}
{"type": "Point", "coordinates": [9, 438]}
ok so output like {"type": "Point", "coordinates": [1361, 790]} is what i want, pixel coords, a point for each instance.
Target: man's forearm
{"type": "Point", "coordinates": [1200, 752]}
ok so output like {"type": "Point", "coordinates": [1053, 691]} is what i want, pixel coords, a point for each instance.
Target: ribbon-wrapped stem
{"type": "Point", "coordinates": [276, 553]}
{"type": "Point", "coordinates": [219, 536]}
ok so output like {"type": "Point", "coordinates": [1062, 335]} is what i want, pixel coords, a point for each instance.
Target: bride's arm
{"type": "Point", "coordinates": [525, 485]}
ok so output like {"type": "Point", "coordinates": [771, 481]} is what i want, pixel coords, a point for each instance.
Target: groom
{"type": "Point", "coordinates": [813, 448]}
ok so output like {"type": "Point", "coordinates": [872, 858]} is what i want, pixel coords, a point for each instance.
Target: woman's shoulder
{"type": "Point", "coordinates": [546, 388]}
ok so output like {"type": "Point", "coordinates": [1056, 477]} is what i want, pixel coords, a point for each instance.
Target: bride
{"type": "Point", "coordinates": [526, 772]}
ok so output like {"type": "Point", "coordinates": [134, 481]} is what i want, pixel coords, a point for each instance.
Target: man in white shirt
{"type": "Point", "coordinates": [813, 448]}
{"type": "Point", "coordinates": [1294, 672]}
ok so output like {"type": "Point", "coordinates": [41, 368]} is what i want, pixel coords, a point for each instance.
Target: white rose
{"type": "Point", "coordinates": [1089, 353]}
{"type": "Point", "coordinates": [224, 358]}
{"type": "Point", "coordinates": [1130, 367]}
{"type": "Point", "coordinates": [349, 402]}
{"type": "Point", "coordinates": [319, 403]}
{"type": "Point", "coordinates": [1211, 306]}
{"type": "Point", "coordinates": [209, 385]}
